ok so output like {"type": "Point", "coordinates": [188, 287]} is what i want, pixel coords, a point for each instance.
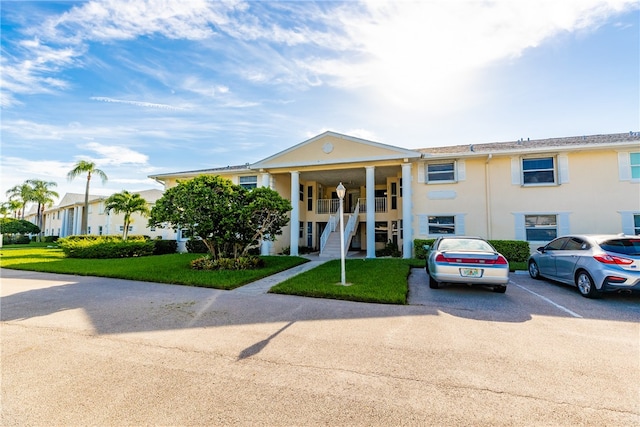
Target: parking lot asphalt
{"type": "Point", "coordinates": [85, 350]}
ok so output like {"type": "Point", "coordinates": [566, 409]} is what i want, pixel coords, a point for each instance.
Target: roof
{"type": "Point", "coordinates": [573, 142]}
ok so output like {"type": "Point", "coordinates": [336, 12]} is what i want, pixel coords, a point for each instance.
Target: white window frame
{"type": "Point", "coordinates": [428, 175]}
{"type": "Point", "coordinates": [248, 182]}
{"type": "Point", "coordinates": [562, 224]}
{"type": "Point", "coordinates": [425, 222]}
{"type": "Point", "coordinates": [634, 166]}
{"type": "Point", "coordinates": [121, 228]}
{"type": "Point", "coordinates": [553, 169]}
{"type": "Point", "coordinates": [536, 227]}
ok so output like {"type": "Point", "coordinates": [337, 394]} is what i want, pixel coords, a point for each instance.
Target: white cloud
{"type": "Point", "coordinates": [425, 54]}
{"type": "Point", "coordinates": [114, 155]}
{"type": "Point", "coordinates": [138, 103]}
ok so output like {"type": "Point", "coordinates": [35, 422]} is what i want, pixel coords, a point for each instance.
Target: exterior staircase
{"type": "Point", "coordinates": [331, 248]}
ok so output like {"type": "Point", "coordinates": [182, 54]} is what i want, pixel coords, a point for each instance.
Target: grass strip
{"type": "Point", "coordinates": [368, 280]}
{"type": "Point", "coordinates": [173, 268]}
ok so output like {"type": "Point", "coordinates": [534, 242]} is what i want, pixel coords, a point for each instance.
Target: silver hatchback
{"type": "Point", "coordinates": [593, 263]}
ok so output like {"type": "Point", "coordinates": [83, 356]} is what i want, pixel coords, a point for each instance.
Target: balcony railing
{"type": "Point", "coordinates": [380, 204]}
{"type": "Point", "coordinates": [328, 206]}
{"type": "Point", "coordinates": [331, 206]}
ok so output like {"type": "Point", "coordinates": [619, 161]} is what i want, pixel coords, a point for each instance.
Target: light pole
{"type": "Point", "coordinates": [340, 190]}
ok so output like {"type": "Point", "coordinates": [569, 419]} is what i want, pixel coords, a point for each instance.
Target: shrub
{"type": "Point", "coordinates": [162, 247]}
{"type": "Point", "coordinates": [50, 239]}
{"type": "Point", "coordinates": [390, 249]}
{"type": "Point", "coordinates": [105, 247]}
{"type": "Point", "coordinates": [513, 250]}
{"type": "Point", "coordinates": [196, 246]}
{"type": "Point", "coordinates": [22, 240]}
{"type": "Point", "coordinates": [418, 247]}
{"type": "Point", "coordinates": [242, 263]}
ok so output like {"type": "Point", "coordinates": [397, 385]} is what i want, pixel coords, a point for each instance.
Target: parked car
{"type": "Point", "coordinates": [470, 260]}
{"type": "Point", "coordinates": [593, 263]}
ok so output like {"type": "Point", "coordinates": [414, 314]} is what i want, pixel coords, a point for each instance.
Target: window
{"type": "Point", "coordinates": [131, 229]}
{"type": "Point", "coordinates": [310, 234]}
{"type": "Point", "coordinates": [249, 182]}
{"type": "Point", "coordinates": [301, 229]}
{"type": "Point", "coordinates": [634, 162]}
{"type": "Point", "coordinates": [89, 229]}
{"type": "Point", "coordinates": [301, 192]}
{"type": "Point", "coordinates": [636, 224]}
{"type": "Point", "coordinates": [381, 231]}
{"type": "Point", "coordinates": [441, 172]}
{"type": "Point", "coordinates": [541, 228]}
{"type": "Point", "coordinates": [100, 230]}
{"type": "Point", "coordinates": [442, 225]}
{"type": "Point", "coordinates": [394, 195]}
{"type": "Point", "coordinates": [539, 170]}
{"type": "Point", "coordinates": [310, 198]}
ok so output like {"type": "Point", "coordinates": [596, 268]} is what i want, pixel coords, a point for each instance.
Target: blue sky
{"type": "Point", "coordinates": [147, 87]}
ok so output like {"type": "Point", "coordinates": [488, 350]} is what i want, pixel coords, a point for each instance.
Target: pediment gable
{"type": "Point", "coordinates": [334, 148]}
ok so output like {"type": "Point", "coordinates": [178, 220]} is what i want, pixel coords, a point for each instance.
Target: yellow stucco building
{"type": "Point", "coordinates": [525, 190]}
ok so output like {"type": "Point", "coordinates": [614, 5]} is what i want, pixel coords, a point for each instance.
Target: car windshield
{"type": "Point", "coordinates": [473, 245]}
{"type": "Point", "coordinates": [629, 246]}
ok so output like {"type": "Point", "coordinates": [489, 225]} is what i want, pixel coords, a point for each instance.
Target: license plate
{"type": "Point", "coordinates": [470, 272]}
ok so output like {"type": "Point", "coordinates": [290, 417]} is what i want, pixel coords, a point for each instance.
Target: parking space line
{"type": "Point", "coordinates": [565, 309]}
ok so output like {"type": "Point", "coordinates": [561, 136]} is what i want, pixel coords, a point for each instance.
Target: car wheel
{"type": "Point", "coordinates": [433, 284]}
{"type": "Point", "coordinates": [585, 285]}
{"type": "Point", "coordinates": [534, 271]}
{"type": "Point", "coordinates": [500, 289]}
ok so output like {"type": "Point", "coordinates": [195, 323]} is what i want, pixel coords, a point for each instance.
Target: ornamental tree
{"type": "Point", "coordinates": [229, 219]}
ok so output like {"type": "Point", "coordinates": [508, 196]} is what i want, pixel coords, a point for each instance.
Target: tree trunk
{"type": "Point", "coordinates": [85, 211]}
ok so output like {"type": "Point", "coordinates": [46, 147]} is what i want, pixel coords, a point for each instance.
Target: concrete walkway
{"type": "Point", "coordinates": [262, 286]}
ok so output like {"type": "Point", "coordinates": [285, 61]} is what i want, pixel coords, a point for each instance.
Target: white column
{"type": "Point", "coordinates": [266, 180]}
{"type": "Point", "coordinates": [265, 245]}
{"type": "Point", "coordinates": [371, 211]}
{"type": "Point", "coordinates": [407, 224]}
{"type": "Point", "coordinates": [295, 212]}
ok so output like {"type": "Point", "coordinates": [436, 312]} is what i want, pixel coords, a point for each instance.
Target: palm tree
{"type": "Point", "coordinates": [126, 203]}
{"type": "Point", "coordinates": [43, 195]}
{"type": "Point", "coordinates": [22, 194]}
{"type": "Point", "coordinates": [9, 208]}
{"type": "Point", "coordinates": [84, 166]}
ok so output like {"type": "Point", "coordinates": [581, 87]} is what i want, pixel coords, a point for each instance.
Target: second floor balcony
{"type": "Point", "coordinates": [331, 206]}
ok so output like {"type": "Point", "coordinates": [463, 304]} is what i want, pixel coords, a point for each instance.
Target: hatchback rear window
{"type": "Point", "coordinates": [622, 246]}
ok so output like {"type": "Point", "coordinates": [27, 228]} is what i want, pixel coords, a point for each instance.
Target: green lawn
{"type": "Point", "coordinates": [381, 280]}
{"type": "Point", "coordinates": [172, 268]}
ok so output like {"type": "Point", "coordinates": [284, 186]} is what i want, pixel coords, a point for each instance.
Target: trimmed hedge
{"type": "Point", "coordinates": [162, 247]}
{"type": "Point", "coordinates": [513, 250]}
{"type": "Point", "coordinates": [105, 246]}
{"type": "Point", "coordinates": [242, 263]}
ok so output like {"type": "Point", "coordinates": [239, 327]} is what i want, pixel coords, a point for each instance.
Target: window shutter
{"type": "Point", "coordinates": [421, 173]}
{"type": "Point", "coordinates": [521, 233]}
{"type": "Point", "coordinates": [563, 169]}
{"type": "Point", "coordinates": [460, 227]}
{"type": "Point", "coordinates": [627, 223]}
{"type": "Point", "coordinates": [624, 167]}
{"type": "Point", "coordinates": [462, 170]}
{"type": "Point", "coordinates": [563, 224]}
{"type": "Point", "coordinates": [424, 225]}
{"type": "Point", "coordinates": [515, 171]}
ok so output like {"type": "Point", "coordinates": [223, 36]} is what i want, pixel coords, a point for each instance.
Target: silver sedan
{"type": "Point", "coordinates": [469, 260]}
{"type": "Point", "coordinates": [592, 263]}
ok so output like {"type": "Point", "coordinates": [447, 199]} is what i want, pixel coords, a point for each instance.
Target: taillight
{"type": "Point", "coordinates": [441, 258]}
{"type": "Point", "coordinates": [501, 260]}
{"type": "Point", "coordinates": [612, 259]}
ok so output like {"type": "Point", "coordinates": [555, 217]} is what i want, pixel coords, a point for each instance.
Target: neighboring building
{"type": "Point", "coordinates": [65, 219]}
{"type": "Point", "coordinates": [524, 190]}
